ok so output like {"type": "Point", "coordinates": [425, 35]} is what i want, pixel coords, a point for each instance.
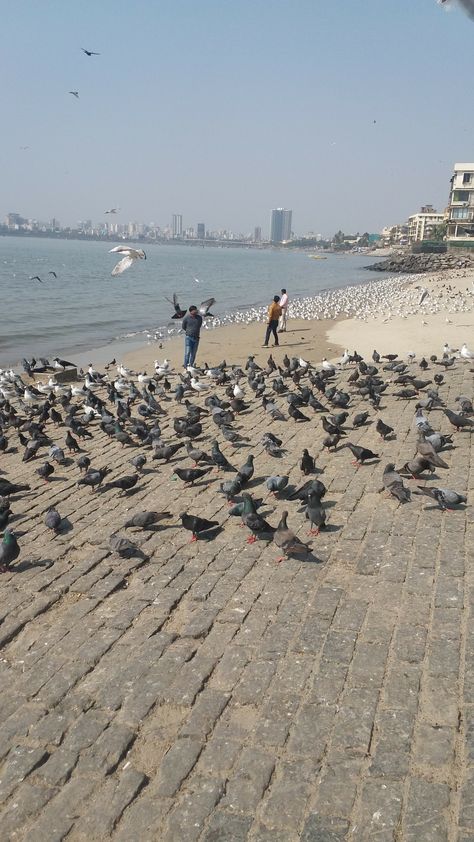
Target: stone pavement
{"type": "Point", "coordinates": [212, 694]}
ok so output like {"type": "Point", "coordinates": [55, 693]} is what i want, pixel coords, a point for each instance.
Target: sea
{"type": "Point", "coordinates": [84, 308]}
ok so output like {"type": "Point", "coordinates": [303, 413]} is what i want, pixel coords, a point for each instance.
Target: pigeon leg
{"type": "Point", "coordinates": [3, 569]}
{"type": "Point", "coordinates": [278, 560]}
{"type": "Point", "coordinates": [251, 539]}
{"type": "Point", "coordinates": [194, 538]}
{"type": "Point", "coordinates": [313, 531]}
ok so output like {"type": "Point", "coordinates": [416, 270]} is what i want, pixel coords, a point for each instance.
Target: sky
{"type": "Point", "coordinates": [349, 112]}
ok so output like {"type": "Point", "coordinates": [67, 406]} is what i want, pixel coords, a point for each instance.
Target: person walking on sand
{"type": "Point", "coordinates": [274, 313]}
{"type": "Point", "coordinates": [284, 311]}
{"type": "Point", "coordinates": [191, 324]}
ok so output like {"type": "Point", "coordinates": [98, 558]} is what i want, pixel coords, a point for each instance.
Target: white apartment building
{"type": "Point", "coordinates": [460, 232]}
{"type": "Point", "coordinates": [421, 225]}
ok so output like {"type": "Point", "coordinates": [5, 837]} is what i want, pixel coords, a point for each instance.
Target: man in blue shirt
{"type": "Point", "coordinates": [192, 326]}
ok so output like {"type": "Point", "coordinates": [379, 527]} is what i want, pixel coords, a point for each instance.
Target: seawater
{"type": "Point", "coordinates": [85, 307]}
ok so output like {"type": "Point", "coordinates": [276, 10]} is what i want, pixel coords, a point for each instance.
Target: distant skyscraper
{"type": "Point", "coordinates": [201, 231]}
{"type": "Point", "coordinates": [281, 225]}
{"type": "Point", "coordinates": [257, 234]}
{"type": "Point", "coordinates": [177, 225]}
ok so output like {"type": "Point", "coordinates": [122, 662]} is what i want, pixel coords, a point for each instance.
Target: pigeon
{"type": "Point", "coordinates": [130, 256]}
{"type": "Point", "coordinates": [167, 451]}
{"type": "Point", "coordinates": [9, 550]}
{"type": "Point", "coordinates": [393, 483]}
{"type": "Point", "coordinates": [315, 513]}
{"type": "Point", "coordinates": [445, 498]}
{"type": "Point", "coordinates": [237, 509]}
{"type": "Point", "coordinates": [361, 454]}
{"type": "Point", "coordinates": [138, 462]}
{"type": "Point", "coordinates": [205, 307]}
{"type": "Point", "coordinates": [287, 541]}
{"type": "Point", "coordinates": [45, 471]}
{"type": "Point", "coordinates": [93, 478]}
{"type": "Point", "coordinates": [74, 93]}
{"type": "Point", "coordinates": [467, 5]}
{"type": "Point", "coordinates": [191, 475]}
{"type": "Point", "coordinates": [7, 488]}
{"type": "Point", "coordinates": [125, 483]}
{"type": "Point", "coordinates": [383, 429]}
{"type": "Point", "coordinates": [360, 419]}
{"type": "Point", "coordinates": [276, 484]}
{"type": "Point", "coordinates": [219, 459]}
{"type": "Point", "coordinates": [4, 518]}
{"type": "Point", "coordinates": [179, 313]}
{"type": "Point", "coordinates": [311, 485]}
{"type": "Point", "coordinates": [458, 421]}
{"type": "Point", "coordinates": [36, 278]}
{"type": "Point", "coordinates": [89, 52]}
{"type": "Point", "coordinates": [53, 519]}
{"type": "Point", "coordinates": [71, 443]}
{"type": "Point", "coordinates": [124, 548]}
{"type": "Point", "coordinates": [246, 472]}
{"type": "Point", "coordinates": [296, 414]}
{"type": "Point", "coordinates": [415, 467]}
{"type": "Point", "coordinates": [331, 440]}
{"type": "Point", "coordinates": [197, 525]}
{"type": "Point", "coordinates": [307, 463]}
{"type": "Point", "coordinates": [198, 455]}
{"type": "Point", "coordinates": [83, 463]}
{"type": "Point", "coordinates": [256, 523]}
{"type": "Point", "coordinates": [231, 488]}
{"type": "Point", "coordinates": [426, 449]}
{"type": "Point", "coordinates": [145, 520]}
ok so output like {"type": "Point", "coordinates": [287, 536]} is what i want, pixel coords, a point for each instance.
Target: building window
{"type": "Point", "coordinates": [466, 179]}
{"type": "Point", "coordinates": [461, 196]}
{"type": "Point", "coordinates": [460, 213]}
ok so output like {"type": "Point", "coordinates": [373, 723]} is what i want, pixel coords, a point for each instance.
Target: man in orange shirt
{"type": "Point", "coordinates": [274, 313]}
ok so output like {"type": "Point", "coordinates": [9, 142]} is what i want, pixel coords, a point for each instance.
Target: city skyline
{"type": "Point", "coordinates": [340, 143]}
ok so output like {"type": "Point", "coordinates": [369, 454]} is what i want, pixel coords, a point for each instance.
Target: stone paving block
{"type": "Point", "coordinates": [21, 761]}
{"type": "Point", "coordinates": [409, 643]}
{"type": "Point", "coordinates": [310, 730]}
{"type": "Point", "coordinates": [177, 764]}
{"type": "Point", "coordinates": [107, 807]}
{"type": "Point", "coordinates": [378, 812]}
{"type": "Point", "coordinates": [249, 780]}
{"type": "Point", "coordinates": [218, 756]}
{"type": "Point", "coordinates": [368, 664]}
{"type": "Point", "coordinates": [254, 682]}
{"type": "Point", "coordinates": [434, 745]}
{"type": "Point", "coordinates": [28, 802]}
{"type": "Point", "coordinates": [59, 816]}
{"type": "Point", "coordinates": [354, 721]}
{"type": "Point", "coordinates": [328, 682]}
{"type": "Point", "coordinates": [225, 827]}
{"type": "Point", "coordinates": [402, 684]}
{"type": "Point", "coordinates": [284, 804]}
{"type": "Point", "coordinates": [103, 757]}
{"type": "Point", "coordinates": [439, 700]}
{"type": "Point", "coordinates": [229, 668]}
{"type": "Point", "coordinates": [392, 738]}
{"type": "Point", "coordinates": [275, 720]}
{"type": "Point", "coordinates": [205, 713]}
{"type": "Point", "coordinates": [186, 820]}
{"type": "Point", "coordinates": [337, 788]}
{"type": "Point", "coordinates": [58, 768]}
{"type": "Point", "coordinates": [325, 829]}
{"type": "Point", "coordinates": [426, 812]}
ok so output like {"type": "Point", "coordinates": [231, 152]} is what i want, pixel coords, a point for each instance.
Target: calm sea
{"type": "Point", "coordinates": [85, 307]}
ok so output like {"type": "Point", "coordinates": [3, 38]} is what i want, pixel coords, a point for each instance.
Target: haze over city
{"type": "Point", "coordinates": [349, 113]}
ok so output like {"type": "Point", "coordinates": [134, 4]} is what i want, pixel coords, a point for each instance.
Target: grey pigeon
{"type": "Point", "coordinates": [315, 513]}
{"type": "Point", "coordinates": [246, 472]}
{"type": "Point", "coordinates": [444, 497]}
{"type": "Point", "coordinates": [275, 484]}
{"type": "Point", "coordinates": [287, 541]}
{"type": "Point", "coordinates": [9, 550]}
{"type": "Point", "coordinates": [415, 467]}
{"type": "Point", "coordinates": [458, 421]}
{"type": "Point", "coordinates": [53, 519]}
{"type": "Point", "coordinates": [393, 483]}
{"type": "Point", "coordinates": [144, 520]}
{"type": "Point", "coordinates": [124, 548]}
{"type": "Point", "coordinates": [231, 488]}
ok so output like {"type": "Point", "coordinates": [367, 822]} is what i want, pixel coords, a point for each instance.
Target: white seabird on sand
{"type": "Point", "coordinates": [129, 257]}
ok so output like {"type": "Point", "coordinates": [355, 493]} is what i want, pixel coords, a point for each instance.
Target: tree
{"type": "Point", "coordinates": [438, 232]}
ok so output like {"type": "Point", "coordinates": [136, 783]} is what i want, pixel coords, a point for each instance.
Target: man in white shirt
{"type": "Point", "coordinates": [284, 311]}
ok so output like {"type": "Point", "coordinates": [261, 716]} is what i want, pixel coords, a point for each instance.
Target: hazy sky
{"type": "Point", "coordinates": [223, 109]}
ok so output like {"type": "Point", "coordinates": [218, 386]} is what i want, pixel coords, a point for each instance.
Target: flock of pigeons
{"type": "Point", "coordinates": [152, 418]}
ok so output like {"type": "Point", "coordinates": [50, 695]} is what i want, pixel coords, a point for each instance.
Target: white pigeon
{"type": "Point", "coordinates": [328, 366]}
{"type": "Point", "coordinates": [144, 379]}
{"type": "Point", "coordinates": [238, 392]}
{"type": "Point", "coordinates": [197, 386]}
{"type": "Point", "coordinates": [411, 356]}
{"type": "Point", "coordinates": [303, 363]}
{"type": "Point", "coordinates": [129, 257]}
{"type": "Point", "coordinates": [124, 371]}
{"type": "Point", "coordinates": [194, 372]}
{"type": "Point", "coordinates": [345, 357]}
{"type": "Point", "coordinates": [164, 366]}
{"type": "Point", "coordinates": [466, 354]}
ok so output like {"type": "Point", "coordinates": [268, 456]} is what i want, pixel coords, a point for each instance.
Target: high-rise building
{"type": "Point", "coordinates": [281, 225]}
{"type": "Point", "coordinates": [177, 225]}
{"type": "Point", "coordinates": [201, 231]}
{"type": "Point", "coordinates": [460, 234]}
{"type": "Point", "coordinates": [257, 234]}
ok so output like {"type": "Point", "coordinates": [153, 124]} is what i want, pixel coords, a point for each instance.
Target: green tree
{"type": "Point", "coordinates": [438, 232]}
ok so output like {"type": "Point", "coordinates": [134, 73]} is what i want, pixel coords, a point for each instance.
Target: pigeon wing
{"type": "Point", "coordinates": [206, 305]}
{"type": "Point", "coordinates": [468, 6]}
{"type": "Point", "coordinates": [123, 264]}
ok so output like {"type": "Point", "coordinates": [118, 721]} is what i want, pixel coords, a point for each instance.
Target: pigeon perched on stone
{"type": "Point", "coordinates": [307, 463]}
{"type": "Point", "coordinates": [393, 483]}
{"type": "Point", "coordinates": [445, 498]}
{"type": "Point", "coordinates": [246, 472]}
{"type": "Point", "coordinates": [315, 513]}
{"type": "Point", "coordinates": [124, 548]}
{"type": "Point", "coordinates": [361, 454]}
{"type": "Point", "coordinates": [287, 541]}
{"type": "Point", "coordinates": [9, 550]}
{"type": "Point", "coordinates": [145, 520]}
{"type": "Point", "coordinates": [93, 478]}
{"type": "Point", "coordinates": [197, 525]}
{"type": "Point", "coordinates": [45, 471]}
{"type": "Point", "coordinates": [7, 488]}
{"type": "Point", "coordinates": [191, 475]}
{"type": "Point", "coordinates": [258, 526]}
{"type": "Point", "coordinates": [124, 484]}
{"type": "Point", "coordinates": [219, 459]}
{"type": "Point", "coordinates": [276, 484]}
{"type": "Point", "coordinates": [458, 421]}
{"type": "Point", "coordinates": [53, 519]}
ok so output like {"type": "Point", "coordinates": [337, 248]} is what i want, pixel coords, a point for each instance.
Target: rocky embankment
{"type": "Point", "coordinates": [419, 263]}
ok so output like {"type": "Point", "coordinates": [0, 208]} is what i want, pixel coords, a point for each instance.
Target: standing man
{"type": "Point", "coordinates": [274, 313]}
{"type": "Point", "coordinates": [284, 311]}
{"type": "Point", "coordinates": [192, 326]}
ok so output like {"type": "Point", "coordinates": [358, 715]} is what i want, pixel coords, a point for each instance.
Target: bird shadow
{"type": "Point", "coordinates": [211, 534]}
{"type": "Point", "coordinates": [30, 565]}
{"type": "Point", "coordinates": [65, 526]}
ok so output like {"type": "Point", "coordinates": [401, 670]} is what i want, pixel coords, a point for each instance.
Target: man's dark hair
{"type": "Point", "coordinates": [283, 290]}
{"type": "Point", "coordinates": [276, 298]}
{"type": "Point", "coordinates": [192, 308]}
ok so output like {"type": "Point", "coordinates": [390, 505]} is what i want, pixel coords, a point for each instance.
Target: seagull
{"type": "Point", "coordinates": [112, 210]}
{"type": "Point", "coordinates": [424, 294]}
{"type": "Point", "coordinates": [467, 5]}
{"type": "Point", "coordinates": [75, 93]}
{"type": "Point", "coordinates": [52, 273]}
{"type": "Point", "coordinates": [466, 353]}
{"type": "Point", "coordinates": [36, 278]}
{"type": "Point", "coordinates": [89, 52]}
{"type": "Point", "coordinates": [129, 257]}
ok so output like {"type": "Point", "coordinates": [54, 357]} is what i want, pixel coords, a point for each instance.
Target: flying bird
{"type": "Point", "coordinates": [112, 210]}
{"type": "Point", "coordinates": [36, 278]}
{"type": "Point", "coordinates": [467, 5]}
{"type": "Point", "coordinates": [75, 93]}
{"type": "Point", "coordinates": [89, 52]}
{"type": "Point", "coordinates": [128, 259]}
{"type": "Point", "coordinates": [205, 306]}
{"type": "Point", "coordinates": [179, 313]}
{"type": "Point", "coordinates": [52, 273]}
